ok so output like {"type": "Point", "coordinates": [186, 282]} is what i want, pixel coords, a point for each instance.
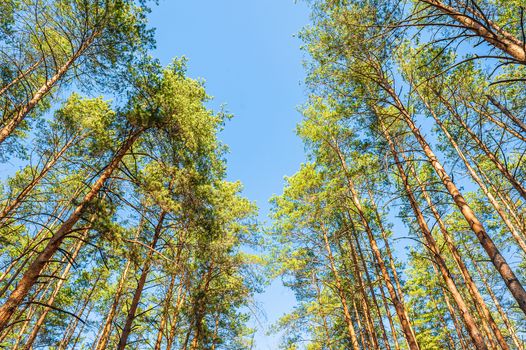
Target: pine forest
{"type": "Point", "coordinates": [403, 228]}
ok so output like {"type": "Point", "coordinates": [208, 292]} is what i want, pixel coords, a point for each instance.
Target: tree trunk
{"type": "Point", "coordinates": [60, 282]}
{"type": "Point", "coordinates": [373, 296]}
{"type": "Point", "coordinates": [164, 314]}
{"type": "Point", "coordinates": [140, 285]}
{"type": "Point", "coordinates": [388, 312]}
{"type": "Point", "coordinates": [490, 32]}
{"type": "Point", "coordinates": [500, 263]}
{"type": "Point", "coordinates": [21, 113]}
{"type": "Point", "coordinates": [397, 302]}
{"type": "Point", "coordinates": [21, 76]}
{"type": "Point", "coordinates": [32, 273]}
{"type": "Point", "coordinates": [478, 180]}
{"type": "Point", "coordinates": [387, 248]}
{"type": "Point", "coordinates": [471, 326]}
{"type": "Point", "coordinates": [13, 205]}
{"type": "Point", "coordinates": [181, 296]}
{"type": "Point", "coordinates": [104, 337]}
{"type": "Point", "coordinates": [359, 278]}
{"type": "Point", "coordinates": [498, 164]}
{"type": "Point", "coordinates": [341, 293]}
{"type": "Point", "coordinates": [518, 343]}
{"type": "Point", "coordinates": [320, 312]}
{"type": "Point", "coordinates": [474, 292]}
{"type": "Point", "coordinates": [507, 113]}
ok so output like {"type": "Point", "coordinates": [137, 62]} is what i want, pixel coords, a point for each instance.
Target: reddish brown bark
{"type": "Point", "coordinates": [126, 330]}
{"type": "Point", "coordinates": [341, 292]}
{"type": "Point", "coordinates": [33, 272]}
{"type": "Point", "coordinates": [432, 246]}
{"type": "Point", "coordinates": [45, 89]}
{"type": "Point", "coordinates": [484, 28]}
{"type": "Point", "coordinates": [500, 263]}
{"type": "Point", "coordinates": [104, 336]}
{"type": "Point", "coordinates": [473, 290]}
{"type": "Point", "coordinates": [397, 302]}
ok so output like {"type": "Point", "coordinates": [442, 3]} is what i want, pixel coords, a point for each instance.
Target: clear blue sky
{"type": "Point", "coordinates": [251, 61]}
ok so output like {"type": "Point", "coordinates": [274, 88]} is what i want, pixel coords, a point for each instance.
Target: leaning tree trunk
{"type": "Point", "coordinates": [518, 343]}
{"type": "Point", "coordinates": [15, 203]}
{"type": "Point", "coordinates": [397, 302]}
{"type": "Point", "coordinates": [140, 285]}
{"type": "Point", "coordinates": [45, 89]}
{"type": "Point", "coordinates": [474, 292]}
{"type": "Point", "coordinates": [483, 28]}
{"type": "Point", "coordinates": [477, 179]}
{"type": "Point", "coordinates": [31, 275]}
{"type": "Point", "coordinates": [500, 263]}
{"type": "Point", "coordinates": [373, 295]}
{"type": "Point", "coordinates": [507, 113]}
{"type": "Point", "coordinates": [468, 319]}
{"type": "Point", "coordinates": [498, 164]}
{"type": "Point", "coordinates": [104, 336]}
{"type": "Point", "coordinates": [21, 76]}
{"type": "Point", "coordinates": [341, 293]}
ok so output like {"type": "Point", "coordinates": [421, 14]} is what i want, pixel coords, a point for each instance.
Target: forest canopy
{"type": "Point", "coordinates": [404, 229]}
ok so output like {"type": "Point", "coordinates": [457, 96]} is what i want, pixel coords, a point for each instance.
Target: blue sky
{"type": "Point", "coordinates": [251, 61]}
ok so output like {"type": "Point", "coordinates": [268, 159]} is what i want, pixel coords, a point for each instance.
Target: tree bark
{"type": "Point", "coordinates": [21, 113]}
{"type": "Point", "coordinates": [500, 263]}
{"type": "Point", "coordinates": [490, 32]}
{"type": "Point", "coordinates": [104, 337]}
{"type": "Point", "coordinates": [474, 292]}
{"type": "Point", "coordinates": [140, 285]}
{"type": "Point", "coordinates": [498, 164]}
{"type": "Point", "coordinates": [397, 302]}
{"type": "Point", "coordinates": [32, 273]}
{"type": "Point", "coordinates": [341, 292]}
{"type": "Point", "coordinates": [468, 319]}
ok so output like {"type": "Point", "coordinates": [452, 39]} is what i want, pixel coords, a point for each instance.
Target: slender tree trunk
{"type": "Point", "coordinates": [181, 296]}
{"type": "Point", "coordinates": [357, 316]}
{"type": "Point", "coordinates": [359, 278]}
{"type": "Point", "coordinates": [511, 206]}
{"type": "Point", "coordinates": [75, 324]}
{"type": "Point", "coordinates": [67, 337]}
{"type": "Point", "coordinates": [164, 315]}
{"type": "Point", "coordinates": [32, 273]}
{"type": "Point", "coordinates": [21, 76]}
{"type": "Point", "coordinates": [484, 28]}
{"type": "Point", "coordinates": [474, 292]}
{"type": "Point", "coordinates": [104, 337]}
{"type": "Point", "coordinates": [140, 285]}
{"type": "Point", "coordinates": [373, 297]}
{"type": "Point", "coordinates": [60, 282]}
{"type": "Point", "coordinates": [22, 112]}
{"type": "Point", "coordinates": [13, 205]}
{"type": "Point", "coordinates": [216, 329]}
{"type": "Point", "coordinates": [321, 313]}
{"type": "Point", "coordinates": [387, 248]}
{"type": "Point", "coordinates": [478, 180]}
{"type": "Point", "coordinates": [28, 251]}
{"type": "Point", "coordinates": [487, 114]}
{"type": "Point", "coordinates": [442, 321]}
{"type": "Point", "coordinates": [507, 113]}
{"type": "Point", "coordinates": [199, 307]}
{"type": "Point", "coordinates": [397, 302]}
{"type": "Point", "coordinates": [341, 293]}
{"type": "Point", "coordinates": [388, 312]}
{"type": "Point", "coordinates": [471, 326]}
{"type": "Point", "coordinates": [456, 323]}
{"type": "Point", "coordinates": [518, 343]}
{"type": "Point", "coordinates": [498, 164]}
{"type": "Point", "coordinates": [500, 263]}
